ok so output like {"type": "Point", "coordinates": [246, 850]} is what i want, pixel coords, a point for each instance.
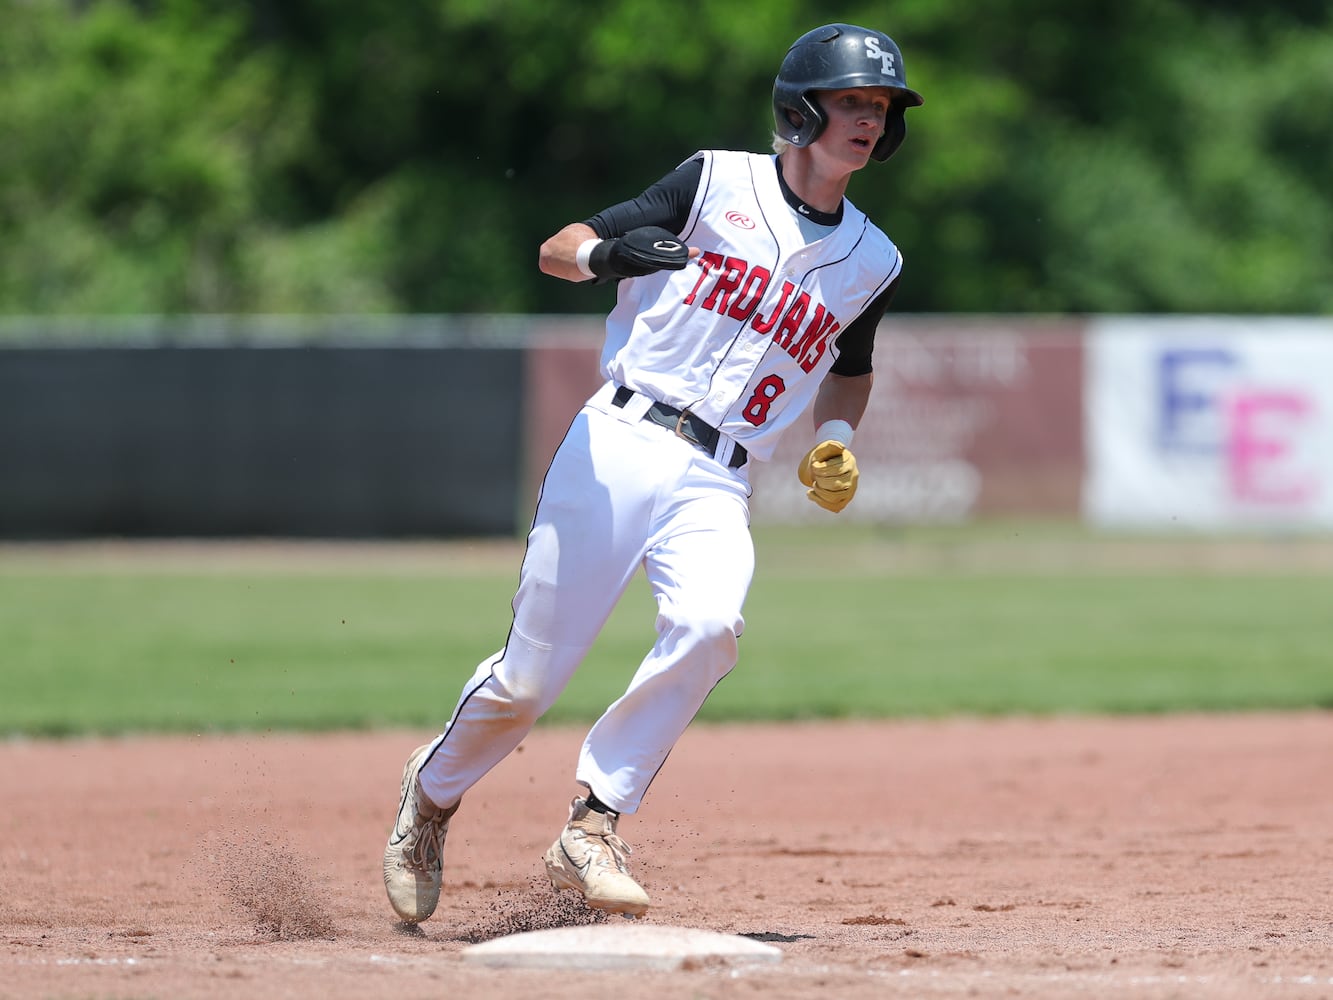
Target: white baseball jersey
{"type": "Point", "coordinates": [744, 335]}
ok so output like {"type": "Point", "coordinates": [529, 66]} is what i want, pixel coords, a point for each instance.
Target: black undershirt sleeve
{"type": "Point", "coordinates": [857, 342]}
{"type": "Point", "coordinates": [667, 204]}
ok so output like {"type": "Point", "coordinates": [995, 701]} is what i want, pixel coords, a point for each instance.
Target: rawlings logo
{"type": "Point", "coordinates": [740, 221]}
{"type": "Point", "coordinates": [886, 60]}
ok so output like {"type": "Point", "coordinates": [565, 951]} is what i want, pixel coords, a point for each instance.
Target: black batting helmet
{"type": "Point", "coordinates": [835, 57]}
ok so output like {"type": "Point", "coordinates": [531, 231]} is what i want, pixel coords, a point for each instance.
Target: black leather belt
{"type": "Point", "coordinates": [686, 425]}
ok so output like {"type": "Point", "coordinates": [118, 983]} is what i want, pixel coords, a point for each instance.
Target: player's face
{"type": "Point", "coordinates": [855, 122]}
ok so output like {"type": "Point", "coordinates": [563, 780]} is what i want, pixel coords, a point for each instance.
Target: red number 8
{"type": "Point", "coordinates": [756, 410]}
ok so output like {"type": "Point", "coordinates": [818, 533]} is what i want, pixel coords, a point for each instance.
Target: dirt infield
{"type": "Point", "coordinates": [1145, 858]}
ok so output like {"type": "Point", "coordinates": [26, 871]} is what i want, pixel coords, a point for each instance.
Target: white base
{"type": "Point", "coordinates": [618, 946]}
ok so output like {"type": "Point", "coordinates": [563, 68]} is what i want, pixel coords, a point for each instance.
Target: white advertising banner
{"type": "Point", "coordinates": [1209, 422]}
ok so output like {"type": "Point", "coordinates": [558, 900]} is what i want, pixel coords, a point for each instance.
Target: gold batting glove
{"type": "Point", "coordinates": [829, 469]}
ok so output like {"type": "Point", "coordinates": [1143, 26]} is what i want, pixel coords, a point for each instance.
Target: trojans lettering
{"type": "Point", "coordinates": [731, 287]}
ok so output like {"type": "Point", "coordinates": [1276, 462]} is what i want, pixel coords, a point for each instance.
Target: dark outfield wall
{"type": "Point", "coordinates": [291, 441]}
{"type": "Point", "coordinates": [446, 429]}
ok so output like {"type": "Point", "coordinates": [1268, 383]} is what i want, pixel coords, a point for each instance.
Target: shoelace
{"type": "Point", "coordinates": [615, 854]}
{"type": "Point", "coordinates": [427, 850]}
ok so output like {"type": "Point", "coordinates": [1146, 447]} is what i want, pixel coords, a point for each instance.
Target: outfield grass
{"type": "Point", "coordinates": [849, 624]}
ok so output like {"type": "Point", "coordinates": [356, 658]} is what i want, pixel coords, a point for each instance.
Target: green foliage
{"type": "Point", "coordinates": [171, 156]}
{"type": "Point", "coordinates": [134, 148]}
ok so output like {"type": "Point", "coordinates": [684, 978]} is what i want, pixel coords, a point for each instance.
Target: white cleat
{"type": "Point", "coordinates": [414, 855]}
{"type": "Point", "coordinates": [589, 857]}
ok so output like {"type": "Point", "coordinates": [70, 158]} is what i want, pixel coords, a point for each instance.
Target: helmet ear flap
{"type": "Point", "coordinates": [815, 121]}
{"type": "Point", "coordinates": [809, 118]}
{"type": "Point", "coordinates": [895, 131]}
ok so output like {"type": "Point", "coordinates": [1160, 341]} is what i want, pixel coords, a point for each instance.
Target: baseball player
{"type": "Point", "coordinates": [749, 289]}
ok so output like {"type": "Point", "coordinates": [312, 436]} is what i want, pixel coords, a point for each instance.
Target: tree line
{"type": "Point", "coordinates": [408, 156]}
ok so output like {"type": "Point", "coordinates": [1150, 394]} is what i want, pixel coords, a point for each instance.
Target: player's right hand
{"type": "Point", "coordinates": [640, 251]}
{"type": "Point", "coordinates": [829, 469]}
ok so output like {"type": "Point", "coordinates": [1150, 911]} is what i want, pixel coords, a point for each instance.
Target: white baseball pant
{"type": "Point", "coordinates": [621, 492]}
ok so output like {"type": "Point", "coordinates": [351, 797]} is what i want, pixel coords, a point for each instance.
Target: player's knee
{"type": "Point", "coordinates": [528, 709]}
{"type": "Point", "coordinates": [520, 700]}
{"type": "Point", "coordinates": [517, 705]}
{"type": "Point", "coordinates": [524, 681]}
{"type": "Point", "coordinates": [708, 630]}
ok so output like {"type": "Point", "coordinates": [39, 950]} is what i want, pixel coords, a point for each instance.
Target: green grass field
{"type": "Point", "coordinates": [857, 623]}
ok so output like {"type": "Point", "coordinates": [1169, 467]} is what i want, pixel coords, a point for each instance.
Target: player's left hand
{"type": "Point", "coordinates": [829, 469]}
